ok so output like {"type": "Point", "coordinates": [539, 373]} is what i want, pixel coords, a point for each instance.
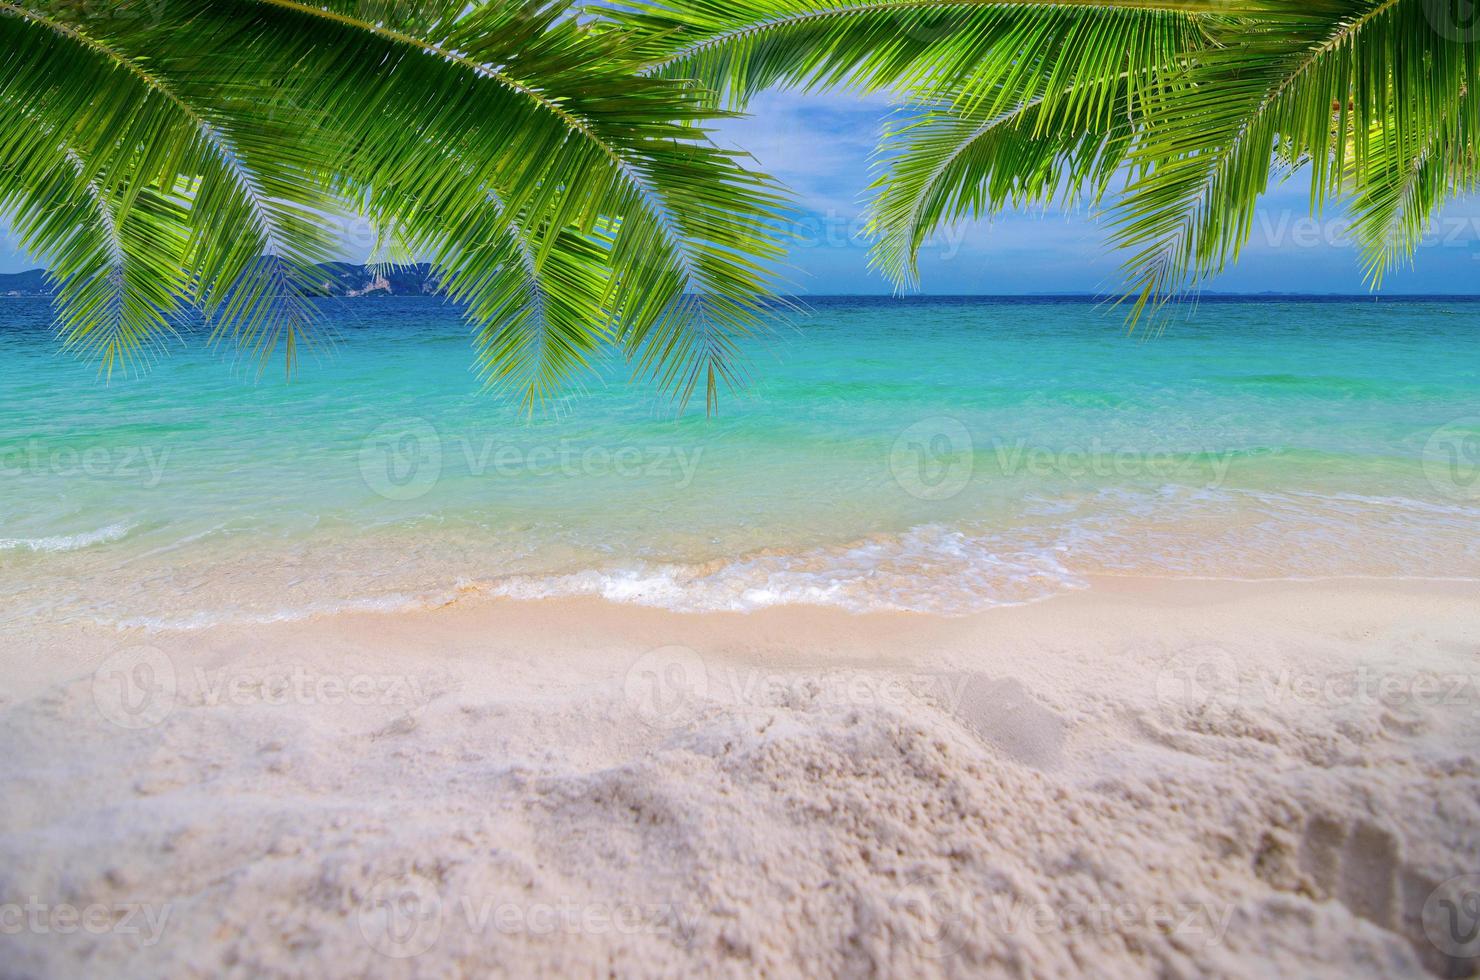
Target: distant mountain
{"type": "Point", "coordinates": [347, 279]}
{"type": "Point", "coordinates": [31, 283]}
{"type": "Point", "coordinates": [338, 279]}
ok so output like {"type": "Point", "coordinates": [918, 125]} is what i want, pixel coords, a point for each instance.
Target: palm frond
{"type": "Point", "coordinates": [139, 134]}
{"type": "Point", "coordinates": [265, 116]}
{"type": "Point", "coordinates": [1354, 92]}
{"type": "Point", "coordinates": [736, 49]}
{"type": "Point", "coordinates": [1052, 124]}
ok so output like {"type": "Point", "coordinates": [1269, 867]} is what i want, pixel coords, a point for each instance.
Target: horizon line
{"type": "Point", "coordinates": [1099, 297]}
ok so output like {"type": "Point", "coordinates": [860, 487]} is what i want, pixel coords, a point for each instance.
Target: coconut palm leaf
{"type": "Point", "coordinates": [547, 119]}
{"type": "Point", "coordinates": [1009, 103]}
{"type": "Point", "coordinates": [1363, 94]}
{"type": "Point", "coordinates": [142, 134]}
{"type": "Point", "coordinates": [946, 165]}
{"type": "Point", "coordinates": [738, 48]}
{"type": "Point", "coordinates": [554, 163]}
{"type": "Point", "coordinates": [46, 185]}
{"type": "Point", "coordinates": [473, 130]}
{"type": "Point", "coordinates": [1052, 124]}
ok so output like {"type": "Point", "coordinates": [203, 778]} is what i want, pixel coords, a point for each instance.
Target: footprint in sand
{"type": "Point", "coordinates": [1361, 865]}
{"type": "Point", "coordinates": [1005, 715]}
{"type": "Point", "coordinates": [1355, 864]}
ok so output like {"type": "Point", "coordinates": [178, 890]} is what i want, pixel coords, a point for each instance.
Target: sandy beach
{"type": "Point", "coordinates": [739, 489]}
{"type": "Point", "coordinates": [1143, 778]}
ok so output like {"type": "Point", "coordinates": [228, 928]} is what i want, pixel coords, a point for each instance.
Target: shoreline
{"type": "Point", "coordinates": [1185, 778]}
{"type": "Point", "coordinates": [467, 595]}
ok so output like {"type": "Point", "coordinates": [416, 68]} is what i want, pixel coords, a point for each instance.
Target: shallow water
{"type": "Point", "coordinates": [932, 454]}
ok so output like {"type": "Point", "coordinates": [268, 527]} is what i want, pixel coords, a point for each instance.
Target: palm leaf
{"type": "Point", "coordinates": [264, 116]}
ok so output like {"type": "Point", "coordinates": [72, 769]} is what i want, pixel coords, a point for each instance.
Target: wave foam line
{"type": "Point", "coordinates": [68, 542]}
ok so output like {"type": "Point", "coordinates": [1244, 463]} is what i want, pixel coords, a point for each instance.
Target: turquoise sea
{"type": "Point", "coordinates": [940, 455]}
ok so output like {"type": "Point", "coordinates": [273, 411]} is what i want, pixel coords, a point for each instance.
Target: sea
{"type": "Point", "coordinates": [935, 455]}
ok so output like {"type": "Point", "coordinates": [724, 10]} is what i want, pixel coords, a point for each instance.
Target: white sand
{"type": "Point", "coordinates": [1140, 779]}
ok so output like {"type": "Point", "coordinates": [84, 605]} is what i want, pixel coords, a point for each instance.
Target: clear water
{"type": "Point", "coordinates": [939, 455]}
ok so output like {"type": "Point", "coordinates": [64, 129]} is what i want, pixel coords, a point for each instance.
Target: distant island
{"type": "Point", "coordinates": [348, 280]}
{"type": "Point", "coordinates": [34, 282]}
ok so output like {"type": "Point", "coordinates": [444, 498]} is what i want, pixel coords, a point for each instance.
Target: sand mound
{"type": "Point", "coordinates": [656, 810]}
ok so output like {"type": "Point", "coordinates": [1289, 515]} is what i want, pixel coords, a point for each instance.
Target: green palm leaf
{"type": "Point", "coordinates": [1200, 105]}
{"type": "Point", "coordinates": [1054, 126]}
{"type": "Point", "coordinates": [962, 46]}
{"type": "Point", "coordinates": [1361, 93]}
{"type": "Point", "coordinates": [512, 142]}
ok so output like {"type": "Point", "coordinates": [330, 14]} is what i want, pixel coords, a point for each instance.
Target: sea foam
{"type": "Point", "coordinates": [68, 542]}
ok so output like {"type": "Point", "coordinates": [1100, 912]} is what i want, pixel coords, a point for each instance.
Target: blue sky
{"type": "Point", "coordinates": [820, 145]}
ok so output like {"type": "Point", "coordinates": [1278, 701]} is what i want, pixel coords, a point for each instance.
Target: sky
{"type": "Point", "coordinates": [821, 145]}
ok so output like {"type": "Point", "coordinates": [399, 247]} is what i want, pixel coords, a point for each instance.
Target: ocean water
{"type": "Point", "coordinates": [938, 455]}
